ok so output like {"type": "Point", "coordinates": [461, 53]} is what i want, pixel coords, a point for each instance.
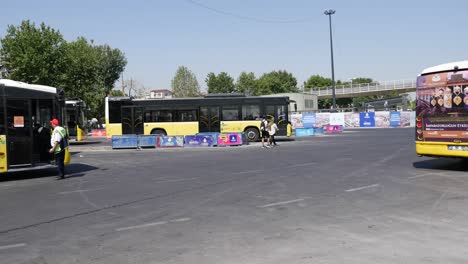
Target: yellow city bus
{"type": "Point", "coordinates": [75, 120]}
{"type": "Point", "coordinates": [25, 113]}
{"type": "Point", "coordinates": [188, 116]}
{"type": "Point", "coordinates": [442, 111]}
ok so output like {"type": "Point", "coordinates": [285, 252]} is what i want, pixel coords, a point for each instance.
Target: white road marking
{"type": "Point", "coordinates": [302, 164]}
{"type": "Point", "coordinates": [180, 220]}
{"type": "Point", "coordinates": [281, 203]}
{"type": "Point", "coordinates": [363, 188]}
{"type": "Point", "coordinates": [246, 172]}
{"type": "Point", "coordinates": [418, 176]}
{"type": "Point", "coordinates": [12, 246]}
{"type": "Point", "coordinates": [79, 191]}
{"type": "Point", "coordinates": [153, 224]}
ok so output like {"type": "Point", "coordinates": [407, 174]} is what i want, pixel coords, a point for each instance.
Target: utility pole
{"type": "Point", "coordinates": [329, 13]}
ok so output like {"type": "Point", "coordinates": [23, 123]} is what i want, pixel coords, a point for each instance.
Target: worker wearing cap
{"type": "Point", "coordinates": [58, 143]}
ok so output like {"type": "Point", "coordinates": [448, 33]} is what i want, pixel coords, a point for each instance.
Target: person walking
{"type": "Point", "coordinates": [263, 128]}
{"type": "Point", "coordinates": [272, 129]}
{"type": "Point", "coordinates": [58, 141]}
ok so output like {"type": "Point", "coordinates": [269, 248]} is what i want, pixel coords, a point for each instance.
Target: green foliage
{"type": "Point", "coordinates": [276, 82]}
{"type": "Point", "coordinates": [184, 83]}
{"type": "Point", "coordinates": [33, 54]}
{"type": "Point", "coordinates": [221, 83]}
{"type": "Point", "coordinates": [116, 93]}
{"type": "Point", "coordinates": [40, 55]}
{"type": "Point", "coordinates": [361, 80]}
{"type": "Point", "coordinates": [316, 81]}
{"type": "Point", "coordinates": [246, 83]}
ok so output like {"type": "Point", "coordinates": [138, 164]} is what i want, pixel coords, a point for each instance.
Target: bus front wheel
{"type": "Point", "coordinates": [158, 132]}
{"type": "Point", "coordinates": [252, 134]}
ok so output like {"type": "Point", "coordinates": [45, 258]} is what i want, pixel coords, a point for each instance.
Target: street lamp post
{"type": "Point", "coordinates": [329, 13]}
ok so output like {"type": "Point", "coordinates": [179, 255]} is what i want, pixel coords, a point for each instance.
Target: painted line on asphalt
{"type": "Point", "coordinates": [152, 224]}
{"type": "Point", "coordinates": [302, 164]}
{"type": "Point", "coordinates": [419, 176]}
{"type": "Point", "coordinates": [281, 203]}
{"type": "Point", "coordinates": [246, 172]}
{"type": "Point", "coordinates": [13, 246]}
{"type": "Point", "coordinates": [80, 191]}
{"type": "Point", "coordinates": [363, 188]}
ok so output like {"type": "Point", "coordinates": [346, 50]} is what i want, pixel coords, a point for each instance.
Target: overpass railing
{"type": "Point", "coordinates": [365, 87]}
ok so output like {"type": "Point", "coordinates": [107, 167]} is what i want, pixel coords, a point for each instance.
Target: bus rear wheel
{"type": "Point", "coordinates": [252, 134]}
{"type": "Point", "coordinates": [158, 132]}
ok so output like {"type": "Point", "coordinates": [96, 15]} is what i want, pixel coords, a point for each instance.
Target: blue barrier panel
{"type": "Point", "coordinates": [214, 136]}
{"type": "Point", "coordinates": [318, 130]}
{"type": "Point", "coordinates": [126, 141]}
{"type": "Point", "coordinates": [148, 141]}
{"type": "Point", "coordinates": [198, 141]}
{"type": "Point", "coordinates": [170, 141]}
{"type": "Point", "coordinates": [310, 131]}
{"type": "Point", "coordinates": [301, 132]}
{"type": "Point", "coordinates": [229, 139]}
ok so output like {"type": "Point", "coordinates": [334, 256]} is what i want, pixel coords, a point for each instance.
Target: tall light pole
{"type": "Point", "coordinates": [329, 13]}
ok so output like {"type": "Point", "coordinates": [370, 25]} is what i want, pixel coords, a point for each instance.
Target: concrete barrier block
{"type": "Point", "coordinates": [124, 141]}
{"type": "Point", "coordinates": [170, 141]}
{"type": "Point", "coordinates": [147, 141]}
{"type": "Point", "coordinates": [198, 141]}
{"type": "Point", "coordinates": [230, 139]}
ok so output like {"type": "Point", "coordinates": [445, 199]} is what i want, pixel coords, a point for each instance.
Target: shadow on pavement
{"type": "Point", "coordinates": [72, 171]}
{"type": "Point", "coordinates": [443, 164]}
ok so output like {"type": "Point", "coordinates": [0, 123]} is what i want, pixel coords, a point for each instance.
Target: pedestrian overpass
{"type": "Point", "coordinates": [353, 90]}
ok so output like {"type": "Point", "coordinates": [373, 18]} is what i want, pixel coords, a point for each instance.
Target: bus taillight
{"type": "Point", "coordinates": [419, 126]}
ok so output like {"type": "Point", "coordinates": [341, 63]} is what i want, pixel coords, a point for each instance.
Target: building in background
{"type": "Point", "coordinates": [160, 94]}
{"type": "Point", "coordinates": [300, 102]}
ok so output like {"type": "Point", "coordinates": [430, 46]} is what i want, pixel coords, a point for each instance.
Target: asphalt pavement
{"type": "Point", "coordinates": [358, 197]}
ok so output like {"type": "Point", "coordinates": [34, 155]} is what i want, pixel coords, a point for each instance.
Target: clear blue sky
{"type": "Point", "coordinates": [383, 40]}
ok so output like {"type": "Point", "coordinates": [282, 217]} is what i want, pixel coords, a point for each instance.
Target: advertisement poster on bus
{"type": "Point", "coordinates": [395, 118]}
{"type": "Point", "coordinates": [442, 105]}
{"type": "Point", "coordinates": [367, 119]}
{"type": "Point", "coordinates": [308, 120]}
{"type": "Point", "coordinates": [337, 119]}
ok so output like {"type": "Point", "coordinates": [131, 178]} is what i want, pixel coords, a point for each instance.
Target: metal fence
{"type": "Point", "coordinates": [349, 89]}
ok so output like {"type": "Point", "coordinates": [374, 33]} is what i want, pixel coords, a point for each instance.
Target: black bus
{"type": "Point", "coordinates": [25, 113]}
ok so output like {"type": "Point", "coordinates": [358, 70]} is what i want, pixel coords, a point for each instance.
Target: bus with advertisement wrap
{"type": "Point", "coordinates": [189, 116]}
{"type": "Point", "coordinates": [442, 111]}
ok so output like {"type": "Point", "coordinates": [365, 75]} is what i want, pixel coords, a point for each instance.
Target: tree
{"type": "Point", "coordinates": [246, 83]}
{"type": "Point", "coordinates": [111, 63]}
{"type": "Point", "coordinates": [277, 82]}
{"type": "Point", "coordinates": [184, 83]}
{"type": "Point", "coordinates": [222, 83]}
{"type": "Point", "coordinates": [33, 54]}
{"type": "Point", "coordinates": [316, 81]}
{"type": "Point", "coordinates": [40, 55]}
{"type": "Point", "coordinates": [116, 93]}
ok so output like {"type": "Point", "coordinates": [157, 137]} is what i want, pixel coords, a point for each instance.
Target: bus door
{"type": "Point", "coordinates": [19, 132]}
{"type": "Point", "coordinates": [132, 120]}
{"type": "Point", "coordinates": [279, 114]}
{"type": "Point", "coordinates": [209, 119]}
